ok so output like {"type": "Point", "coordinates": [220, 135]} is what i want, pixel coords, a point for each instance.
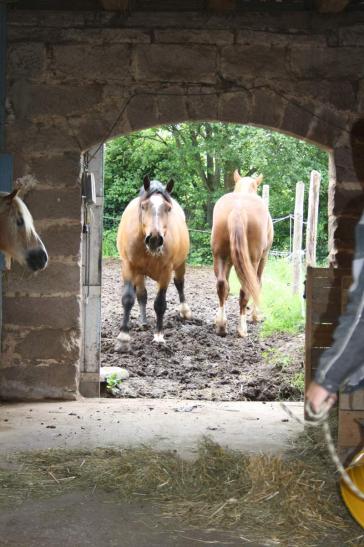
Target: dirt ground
{"type": "Point", "coordinates": [196, 363]}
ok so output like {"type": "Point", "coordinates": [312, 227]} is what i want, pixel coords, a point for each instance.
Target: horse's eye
{"type": "Point", "coordinates": [20, 221]}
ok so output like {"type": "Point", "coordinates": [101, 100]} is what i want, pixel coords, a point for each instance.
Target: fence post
{"type": "Point", "coordinates": [312, 218]}
{"type": "Point", "coordinates": [297, 236]}
{"type": "Point", "coordinates": [265, 194]}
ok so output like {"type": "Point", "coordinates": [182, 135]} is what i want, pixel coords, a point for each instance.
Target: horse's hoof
{"type": "Point", "coordinates": [158, 338]}
{"type": "Point", "coordinates": [243, 333]}
{"type": "Point", "coordinates": [122, 344]}
{"type": "Point", "coordinates": [221, 331]}
{"type": "Point", "coordinates": [185, 311]}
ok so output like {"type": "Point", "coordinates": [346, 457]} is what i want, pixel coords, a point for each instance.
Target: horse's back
{"type": "Point", "coordinates": [253, 213]}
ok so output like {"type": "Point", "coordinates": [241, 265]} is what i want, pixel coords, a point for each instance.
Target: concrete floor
{"type": "Point", "coordinates": [100, 519]}
{"type": "Point", "coordinates": [163, 424]}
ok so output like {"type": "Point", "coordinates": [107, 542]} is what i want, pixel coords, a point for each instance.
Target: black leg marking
{"type": "Point", "coordinates": [142, 301]}
{"type": "Point", "coordinates": [180, 285]}
{"type": "Point", "coordinates": [160, 306]}
{"type": "Point", "coordinates": [127, 301]}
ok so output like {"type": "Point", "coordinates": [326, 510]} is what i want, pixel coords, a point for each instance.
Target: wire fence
{"type": "Point", "coordinates": [110, 222]}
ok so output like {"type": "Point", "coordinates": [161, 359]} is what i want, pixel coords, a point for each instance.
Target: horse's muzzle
{"type": "Point", "coordinates": [154, 243]}
{"type": "Point", "coordinates": [37, 259]}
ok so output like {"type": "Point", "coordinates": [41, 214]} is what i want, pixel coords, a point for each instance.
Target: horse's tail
{"type": "Point", "coordinates": [240, 255]}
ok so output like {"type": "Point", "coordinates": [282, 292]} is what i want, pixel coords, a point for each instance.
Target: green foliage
{"type": "Point", "coordinates": [201, 157]}
{"type": "Point", "coordinates": [113, 382]}
{"type": "Point", "coordinates": [282, 310]}
{"type": "Point", "coordinates": [109, 242]}
{"type": "Point", "coordinates": [298, 381]}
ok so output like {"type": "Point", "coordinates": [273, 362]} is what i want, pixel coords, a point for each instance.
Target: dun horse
{"type": "Point", "coordinates": [242, 236]}
{"type": "Point", "coordinates": [152, 241]}
{"type": "Point", "coordinates": [18, 238]}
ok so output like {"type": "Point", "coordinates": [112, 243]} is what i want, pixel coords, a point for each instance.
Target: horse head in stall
{"type": "Point", "coordinates": [18, 239]}
{"type": "Point", "coordinates": [242, 235]}
{"type": "Point", "coordinates": [152, 241]}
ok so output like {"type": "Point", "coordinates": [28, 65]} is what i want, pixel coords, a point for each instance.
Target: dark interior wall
{"type": "Point", "coordinates": [76, 77]}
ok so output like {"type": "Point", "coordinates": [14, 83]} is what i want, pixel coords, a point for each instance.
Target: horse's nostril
{"type": "Point", "coordinates": [147, 240]}
{"type": "Point", "coordinates": [37, 259]}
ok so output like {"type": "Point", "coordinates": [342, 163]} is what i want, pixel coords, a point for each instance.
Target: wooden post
{"type": "Point", "coordinates": [312, 218]}
{"type": "Point", "coordinates": [297, 236]}
{"type": "Point", "coordinates": [265, 194]}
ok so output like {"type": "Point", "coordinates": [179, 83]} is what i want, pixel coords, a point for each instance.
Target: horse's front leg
{"type": "Point", "coordinates": [160, 304]}
{"type": "Point", "coordinates": [179, 281]}
{"type": "Point", "coordinates": [127, 300]}
{"type": "Point", "coordinates": [142, 296]}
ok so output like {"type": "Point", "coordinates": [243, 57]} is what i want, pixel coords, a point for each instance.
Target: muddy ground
{"type": "Point", "coordinates": [196, 363]}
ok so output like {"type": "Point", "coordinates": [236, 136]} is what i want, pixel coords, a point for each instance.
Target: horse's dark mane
{"type": "Point", "coordinates": [156, 187]}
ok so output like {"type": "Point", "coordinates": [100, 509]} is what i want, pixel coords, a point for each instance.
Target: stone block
{"type": "Point", "coordinates": [26, 60]}
{"type": "Point", "coordinates": [191, 36]}
{"type": "Point", "coordinates": [203, 107]}
{"type": "Point", "coordinates": [142, 112]}
{"type": "Point", "coordinates": [46, 344]}
{"type": "Point", "coordinates": [175, 63]}
{"type": "Point", "coordinates": [346, 202]}
{"type": "Point", "coordinates": [327, 127]}
{"type": "Point", "coordinates": [54, 312]}
{"type": "Point", "coordinates": [327, 63]}
{"type": "Point", "coordinates": [244, 63]}
{"type": "Point", "coordinates": [258, 37]}
{"type": "Point", "coordinates": [84, 63]}
{"type": "Point", "coordinates": [172, 108]}
{"type": "Point", "coordinates": [297, 119]}
{"type": "Point", "coordinates": [62, 239]}
{"type": "Point", "coordinates": [56, 278]}
{"type": "Point", "coordinates": [58, 170]}
{"type": "Point", "coordinates": [268, 109]}
{"type": "Point", "coordinates": [61, 203]}
{"type": "Point", "coordinates": [345, 227]}
{"type": "Point", "coordinates": [29, 382]}
{"type": "Point", "coordinates": [37, 101]}
{"type": "Point", "coordinates": [235, 107]}
{"type": "Point", "coordinates": [352, 36]}
{"type": "Point", "coordinates": [34, 139]}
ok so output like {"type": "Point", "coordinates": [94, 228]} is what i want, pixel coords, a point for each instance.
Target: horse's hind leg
{"type": "Point", "coordinates": [127, 300]}
{"type": "Point", "coordinates": [142, 297]}
{"type": "Point", "coordinates": [256, 315]}
{"type": "Point", "coordinates": [179, 281]}
{"type": "Point", "coordinates": [243, 301]}
{"type": "Point", "coordinates": [222, 269]}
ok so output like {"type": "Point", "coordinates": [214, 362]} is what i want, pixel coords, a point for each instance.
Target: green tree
{"type": "Point", "coordinates": [201, 157]}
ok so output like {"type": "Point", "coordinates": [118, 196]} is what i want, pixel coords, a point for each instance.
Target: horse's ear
{"type": "Point", "coordinates": [259, 180]}
{"type": "Point", "coordinates": [11, 196]}
{"type": "Point", "coordinates": [146, 183]}
{"type": "Point", "coordinates": [169, 186]}
{"type": "Point", "coordinates": [237, 176]}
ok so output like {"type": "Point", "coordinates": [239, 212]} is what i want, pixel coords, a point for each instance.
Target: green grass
{"type": "Point", "coordinates": [282, 310]}
{"type": "Point", "coordinates": [109, 243]}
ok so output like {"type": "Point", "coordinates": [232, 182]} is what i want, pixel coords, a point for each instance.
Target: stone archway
{"type": "Point", "coordinates": [72, 83]}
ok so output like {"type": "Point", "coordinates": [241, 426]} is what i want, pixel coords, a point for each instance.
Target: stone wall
{"type": "Point", "coordinates": [77, 78]}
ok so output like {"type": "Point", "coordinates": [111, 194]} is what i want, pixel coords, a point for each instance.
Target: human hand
{"type": "Point", "coordinates": [317, 395]}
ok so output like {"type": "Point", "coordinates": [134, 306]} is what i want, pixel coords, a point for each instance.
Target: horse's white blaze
{"type": "Point", "coordinates": [157, 202]}
{"type": "Point", "coordinates": [242, 328]}
{"type": "Point", "coordinates": [185, 311]}
{"type": "Point", "coordinates": [159, 338]}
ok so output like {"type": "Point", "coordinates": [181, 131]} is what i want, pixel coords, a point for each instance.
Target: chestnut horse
{"type": "Point", "coordinates": [242, 235]}
{"type": "Point", "coordinates": [152, 241]}
{"type": "Point", "coordinates": [18, 238]}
